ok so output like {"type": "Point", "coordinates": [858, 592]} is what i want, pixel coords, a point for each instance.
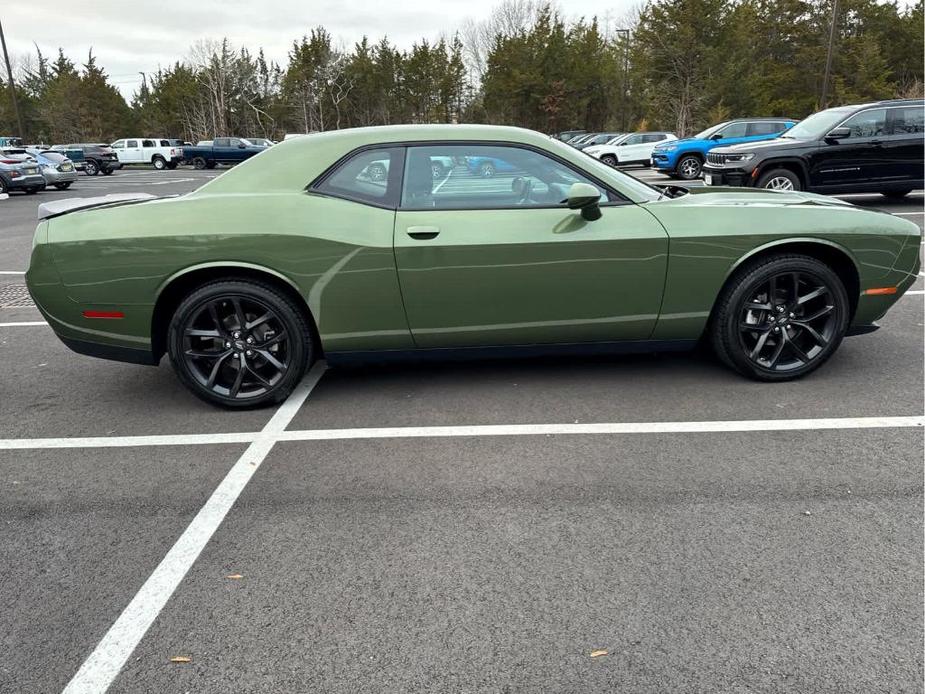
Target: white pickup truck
{"type": "Point", "coordinates": [148, 150]}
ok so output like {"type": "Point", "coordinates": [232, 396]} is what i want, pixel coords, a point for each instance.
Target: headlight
{"type": "Point", "coordinates": [738, 158]}
{"type": "Point", "coordinates": [667, 148]}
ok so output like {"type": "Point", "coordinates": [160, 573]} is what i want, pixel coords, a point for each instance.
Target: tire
{"type": "Point", "coordinates": [107, 171]}
{"type": "Point", "coordinates": [896, 194]}
{"type": "Point", "coordinates": [3, 188]}
{"type": "Point", "coordinates": [780, 179]}
{"type": "Point", "coordinates": [172, 165]}
{"type": "Point", "coordinates": [91, 168]}
{"type": "Point", "coordinates": [159, 162]}
{"type": "Point", "coordinates": [487, 169]}
{"type": "Point", "coordinates": [63, 186]}
{"type": "Point", "coordinates": [215, 373]}
{"type": "Point", "coordinates": [689, 167]}
{"type": "Point", "coordinates": [780, 346]}
{"type": "Point", "coordinates": [199, 163]}
{"type": "Point", "coordinates": [609, 159]}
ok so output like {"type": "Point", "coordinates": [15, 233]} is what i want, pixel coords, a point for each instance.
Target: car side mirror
{"type": "Point", "coordinates": [241, 145]}
{"type": "Point", "coordinates": [717, 136]}
{"type": "Point", "coordinates": [585, 197]}
{"type": "Point", "coordinates": [836, 134]}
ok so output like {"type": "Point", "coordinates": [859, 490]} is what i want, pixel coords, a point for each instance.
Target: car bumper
{"type": "Point", "coordinates": [32, 182]}
{"type": "Point", "coordinates": [721, 176]}
{"type": "Point", "coordinates": [662, 162]}
{"type": "Point", "coordinates": [53, 176]}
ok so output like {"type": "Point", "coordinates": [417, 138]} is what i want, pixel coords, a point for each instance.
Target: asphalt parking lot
{"type": "Point", "coordinates": [476, 527]}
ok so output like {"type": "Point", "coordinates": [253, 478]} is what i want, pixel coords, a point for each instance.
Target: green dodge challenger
{"type": "Point", "coordinates": [355, 245]}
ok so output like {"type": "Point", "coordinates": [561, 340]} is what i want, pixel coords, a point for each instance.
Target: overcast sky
{"type": "Point", "coordinates": [128, 36]}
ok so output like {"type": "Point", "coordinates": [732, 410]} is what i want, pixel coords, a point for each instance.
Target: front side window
{"type": "Point", "coordinates": [118, 144]}
{"type": "Point", "coordinates": [476, 176]}
{"type": "Point", "coordinates": [221, 142]}
{"type": "Point", "coordinates": [369, 176]}
{"type": "Point", "coordinates": [734, 130]}
{"type": "Point", "coordinates": [867, 123]}
{"type": "Point", "coordinates": [633, 140]}
{"type": "Point", "coordinates": [131, 143]}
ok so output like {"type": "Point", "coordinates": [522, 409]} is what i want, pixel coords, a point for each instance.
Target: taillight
{"type": "Point", "coordinates": [9, 161]}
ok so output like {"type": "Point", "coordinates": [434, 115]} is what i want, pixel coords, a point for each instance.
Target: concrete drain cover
{"type": "Point", "coordinates": [15, 296]}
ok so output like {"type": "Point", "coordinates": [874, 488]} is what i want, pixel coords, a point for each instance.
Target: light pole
{"type": "Point", "coordinates": [828, 56]}
{"type": "Point", "coordinates": [9, 74]}
{"type": "Point", "coordinates": [625, 33]}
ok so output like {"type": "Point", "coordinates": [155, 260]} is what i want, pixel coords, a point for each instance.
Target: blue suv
{"type": "Point", "coordinates": [684, 158]}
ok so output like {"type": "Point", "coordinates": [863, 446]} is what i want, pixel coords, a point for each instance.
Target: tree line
{"type": "Point", "coordinates": [677, 65]}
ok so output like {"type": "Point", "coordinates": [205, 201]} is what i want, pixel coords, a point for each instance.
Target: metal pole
{"type": "Point", "coordinates": [9, 73]}
{"type": "Point", "coordinates": [626, 66]}
{"type": "Point", "coordinates": [828, 57]}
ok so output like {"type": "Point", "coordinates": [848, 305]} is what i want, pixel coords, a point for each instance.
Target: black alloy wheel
{"type": "Point", "coordinates": [782, 319]}
{"type": "Point", "coordinates": [239, 344]}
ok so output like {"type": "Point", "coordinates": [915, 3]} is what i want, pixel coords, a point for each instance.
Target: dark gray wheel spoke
{"type": "Point", "coordinates": [776, 355]}
{"type": "Point", "coordinates": [795, 348]}
{"type": "Point", "coordinates": [239, 313]}
{"type": "Point", "coordinates": [760, 344]}
{"type": "Point", "coordinates": [815, 334]}
{"type": "Point", "coordinates": [258, 321]}
{"type": "Point", "coordinates": [213, 313]}
{"type": "Point", "coordinates": [196, 332]}
{"type": "Point", "coordinates": [818, 314]}
{"type": "Point", "coordinates": [814, 294]}
{"type": "Point", "coordinates": [266, 354]}
{"type": "Point", "coordinates": [238, 380]}
{"type": "Point", "coordinates": [256, 375]}
{"type": "Point", "coordinates": [276, 339]}
{"type": "Point", "coordinates": [216, 367]}
{"type": "Point", "coordinates": [199, 354]}
{"type": "Point", "coordinates": [758, 306]}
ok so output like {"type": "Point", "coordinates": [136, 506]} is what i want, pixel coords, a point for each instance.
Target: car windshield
{"type": "Point", "coordinates": [709, 131]}
{"type": "Point", "coordinates": [817, 125]}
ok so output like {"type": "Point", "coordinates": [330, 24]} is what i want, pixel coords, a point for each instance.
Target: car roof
{"type": "Point", "coordinates": [751, 119]}
{"type": "Point", "coordinates": [886, 102]}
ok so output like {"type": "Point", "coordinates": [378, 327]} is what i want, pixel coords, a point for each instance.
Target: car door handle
{"type": "Point", "coordinates": [423, 233]}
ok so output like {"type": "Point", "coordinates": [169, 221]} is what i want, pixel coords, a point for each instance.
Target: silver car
{"type": "Point", "coordinates": [58, 170]}
{"type": "Point", "coordinates": [19, 171]}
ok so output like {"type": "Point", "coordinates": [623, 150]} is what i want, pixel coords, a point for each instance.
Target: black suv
{"type": "Point", "coordinates": [871, 148]}
{"type": "Point", "coordinates": [91, 158]}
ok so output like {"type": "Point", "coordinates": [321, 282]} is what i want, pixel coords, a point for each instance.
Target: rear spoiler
{"type": "Point", "coordinates": [57, 208]}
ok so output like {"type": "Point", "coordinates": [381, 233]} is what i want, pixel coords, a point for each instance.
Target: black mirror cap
{"type": "Point", "coordinates": [592, 212]}
{"type": "Point", "coordinates": [836, 134]}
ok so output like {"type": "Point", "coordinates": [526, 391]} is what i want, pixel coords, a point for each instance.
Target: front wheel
{"type": "Point", "coordinates": [689, 167]}
{"type": "Point", "coordinates": [609, 159]}
{"type": "Point", "coordinates": [91, 168]}
{"type": "Point", "coordinates": [31, 191]}
{"type": "Point", "coordinates": [780, 318]}
{"type": "Point", "coordinates": [107, 171]}
{"type": "Point", "coordinates": [239, 344]}
{"type": "Point", "coordinates": [487, 170]}
{"type": "Point", "coordinates": [780, 179]}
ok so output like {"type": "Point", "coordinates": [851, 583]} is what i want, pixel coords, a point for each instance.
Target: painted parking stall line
{"type": "Point", "coordinates": [272, 435]}
{"type": "Point", "coordinates": [107, 659]}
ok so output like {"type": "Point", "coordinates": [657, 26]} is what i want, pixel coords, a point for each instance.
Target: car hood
{"type": "Point", "coordinates": [778, 143]}
{"type": "Point", "coordinates": [679, 141]}
{"type": "Point", "coordinates": [754, 197]}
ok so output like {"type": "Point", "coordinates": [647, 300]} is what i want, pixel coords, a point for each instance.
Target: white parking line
{"type": "Point", "coordinates": [265, 436]}
{"type": "Point", "coordinates": [23, 324]}
{"type": "Point", "coordinates": [12, 272]}
{"type": "Point", "coordinates": [103, 665]}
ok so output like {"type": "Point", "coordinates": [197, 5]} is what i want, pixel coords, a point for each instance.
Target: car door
{"type": "Point", "coordinates": [632, 149]}
{"type": "Point", "coordinates": [119, 148]}
{"type": "Point", "coordinates": [857, 158]}
{"type": "Point", "coordinates": [731, 134]}
{"type": "Point", "coordinates": [132, 152]}
{"type": "Point", "coordinates": [148, 148]}
{"type": "Point", "coordinates": [221, 149]}
{"type": "Point", "coordinates": [503, 261]}
{"type": "Point", "coordinates": [904, 144]}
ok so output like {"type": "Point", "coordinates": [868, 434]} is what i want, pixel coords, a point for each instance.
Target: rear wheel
{"type": "Point", "coordinates": [159, 163]}
{"type": "Point", "coordinates": [239, 344]}
{"type": "Point", "coordinates": [172, 165]}
{"type": "Point", "coordinates": [63, 186]}
{"type": "Point", "coordinates": [31, 191]}
{"type": "Point", "coordinates": [780, 318]}
{"type": "Point", "coordinates": [210, 164]}
{"type": "Point", "coordinates": [896, 194]}
{"type": "Point", "coordinates": [199, 163]}
{"type": "Point", "coordinates": [780, 179]}
{"type": "Point", "coordinates": [689, 167]}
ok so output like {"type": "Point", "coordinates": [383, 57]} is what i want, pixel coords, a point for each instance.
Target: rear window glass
{"type": "Point", "coordinates": [368, 175]}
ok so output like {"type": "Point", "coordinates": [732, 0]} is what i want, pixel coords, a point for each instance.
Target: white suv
{"type": "Point", "coordinates": [148, 150]}
{"type": "Point", "coordinates": [634, 148]}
